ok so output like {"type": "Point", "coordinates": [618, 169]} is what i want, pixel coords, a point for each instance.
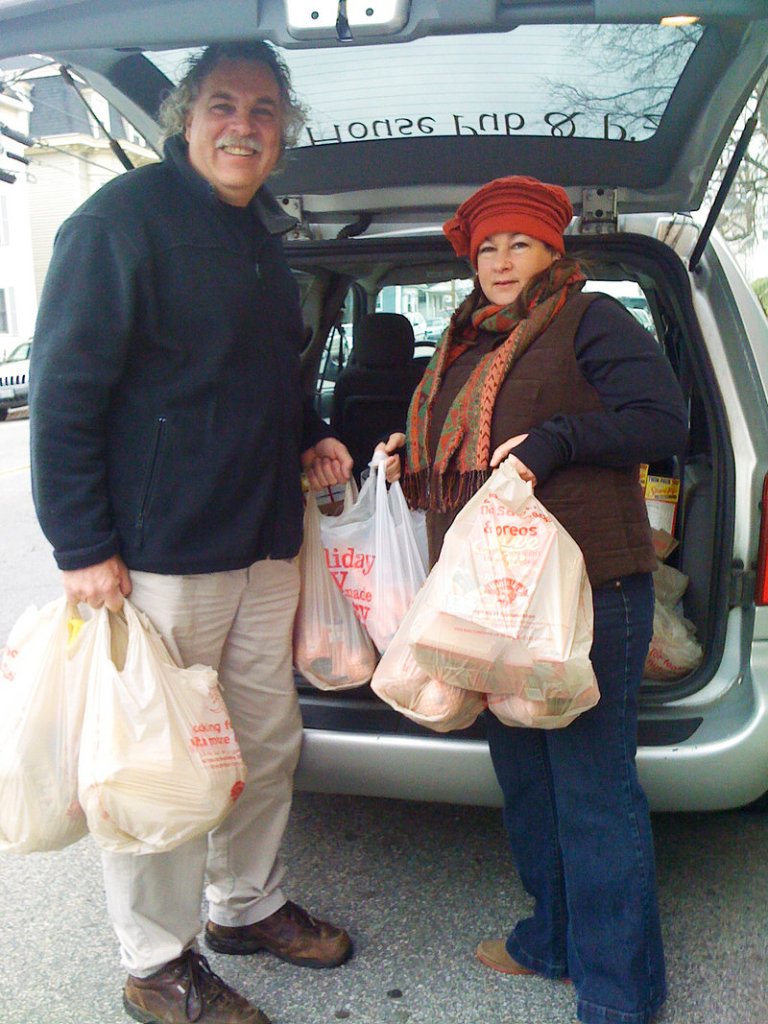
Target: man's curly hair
{"type": "Point", "coordinates": [176, 106]}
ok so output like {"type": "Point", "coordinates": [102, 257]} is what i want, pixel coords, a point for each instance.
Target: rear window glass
{"type": "Point", "coordinates": [594, 81]}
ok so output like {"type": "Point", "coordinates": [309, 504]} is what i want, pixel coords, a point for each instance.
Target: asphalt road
{"type": "Point", "coordinates": [418, 885]}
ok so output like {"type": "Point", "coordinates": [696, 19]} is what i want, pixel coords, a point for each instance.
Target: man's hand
{"type": "Point", "coordinates": [392, 463]}
{"type": "Point", "coordinates": [105, 583]}
{"type": "Point", "coordinates": [326, 463]}
{"type": "Point", "coordinates": [503, 452]}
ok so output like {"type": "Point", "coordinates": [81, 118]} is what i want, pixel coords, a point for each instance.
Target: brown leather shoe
{"type": "Point", "coordinates": [290, 933]}
{"type": "Point", "coordinates": [493, 953]}
{"type": "Point", "coordinates": [185, 991]}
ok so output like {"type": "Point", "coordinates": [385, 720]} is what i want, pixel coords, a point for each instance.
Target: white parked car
{"type": "Point", "coordinates": [414, 105]}
{"type": "Point", "coordinates": [14, 379]}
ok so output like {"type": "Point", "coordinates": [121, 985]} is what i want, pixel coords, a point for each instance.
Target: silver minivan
{"type": "Point", "coordinates": [412, 105]}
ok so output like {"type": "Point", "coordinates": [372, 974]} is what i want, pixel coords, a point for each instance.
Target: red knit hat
{"type": "Point", "coordinates": [517, 204]}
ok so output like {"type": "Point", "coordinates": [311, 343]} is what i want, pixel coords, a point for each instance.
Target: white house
{"type": "Point", "coordinates": [70, 158]}
{"type": "Point", "coordinates": [18, 299]}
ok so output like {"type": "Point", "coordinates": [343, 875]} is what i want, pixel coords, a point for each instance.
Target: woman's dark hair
{"type": "Point", "coordinates": [467, 307]}
{"type": "Point", "coordinates": [176, 106]}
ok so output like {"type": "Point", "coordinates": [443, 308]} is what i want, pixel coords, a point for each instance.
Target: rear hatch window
{"type": "Point", "coordinates": [589, 81]}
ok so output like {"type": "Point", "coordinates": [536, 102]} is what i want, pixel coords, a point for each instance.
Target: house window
{"type": "Point", "coordinates": [100, 108]}
{"type": "Point", "coordinates": [131, 135]}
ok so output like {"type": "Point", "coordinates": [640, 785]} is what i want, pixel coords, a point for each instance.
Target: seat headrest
{"type": "Point", "coordinates": [383, 341]}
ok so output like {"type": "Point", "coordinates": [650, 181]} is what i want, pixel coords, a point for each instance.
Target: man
{"type": "Point", "coordinates": [168, 435]}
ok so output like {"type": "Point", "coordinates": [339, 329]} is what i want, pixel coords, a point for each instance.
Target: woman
{"type": "Point", "coordinates": [570, 388]}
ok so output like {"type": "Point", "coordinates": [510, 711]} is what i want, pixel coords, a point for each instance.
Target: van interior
{"type": "Point", "coordinates": [342, 284]}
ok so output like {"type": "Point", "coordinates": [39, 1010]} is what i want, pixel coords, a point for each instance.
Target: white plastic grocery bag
{"type": "Point", "coordinates": [507, 609]}
{"type": "Point", "coordinates": [330, 647]}
{"type": "Point", "coordinates": [159, 760]}
{"type": "Point", "coordinates": [374, 554]}
{"type": "Point", "coordinates": [43, 676]}
{"type": "Point", "coordinates": [399, 571]}
{"type": "Point", "coordinates": [674, 650]}
{"type": "Point", "coordinates": [349, 540]}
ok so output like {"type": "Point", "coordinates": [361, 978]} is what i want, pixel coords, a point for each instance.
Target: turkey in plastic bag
{"type": "Point", "coordinates": [159, 760]}
{"type": "Point", "coordinates": [43, 677]}
{"type": "Point", "coordinates": [330, 647]}
{"type": "Point", "coordinates": [407, 688]}
{"type": "Point", "coordinates": [509, 609]}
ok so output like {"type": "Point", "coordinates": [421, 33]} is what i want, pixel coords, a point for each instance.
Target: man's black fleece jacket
{"type": "Point", "coordinates": [166, 412]}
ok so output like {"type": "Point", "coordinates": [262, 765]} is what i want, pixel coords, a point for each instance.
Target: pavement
{"type": "Point", "coordinates": [417, 885]}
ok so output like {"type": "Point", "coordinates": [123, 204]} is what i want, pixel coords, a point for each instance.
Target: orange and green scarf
{"type": "Point", "coordinates": [463, 450]}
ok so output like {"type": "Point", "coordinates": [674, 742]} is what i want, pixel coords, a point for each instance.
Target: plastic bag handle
{"type": "Point", "coordinates": [75, 622]}
{"type": "Point", "coordinates": [350, 494]}
{"type": "Point", "coordinates": [507, 469]}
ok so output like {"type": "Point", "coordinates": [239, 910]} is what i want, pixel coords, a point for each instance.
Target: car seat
{"type": "Point", "coordinates": [372, 393]}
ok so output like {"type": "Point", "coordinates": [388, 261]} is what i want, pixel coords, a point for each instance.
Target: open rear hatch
{"type": "Point", "coordinates": [413, 104]}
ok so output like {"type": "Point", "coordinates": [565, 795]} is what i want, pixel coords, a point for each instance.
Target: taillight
{"type": "Point", "coordinates": [761, 587]}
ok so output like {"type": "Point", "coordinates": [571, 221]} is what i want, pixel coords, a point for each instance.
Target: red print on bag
{"type": "Point", "coordinates": [507, 590]}
{"type": "Point", "coordinates": [6, 669]}
{"type": "Point", "coordinates": [215, 702]}
{"type": "Point", "coordinates": [493, 506]}
{"type": "Point", "coordinates": [348, 558]}
{"type": "Point", "coordinates": [340, 579]}
{"type": "Point", "coordinates": [236, 790]}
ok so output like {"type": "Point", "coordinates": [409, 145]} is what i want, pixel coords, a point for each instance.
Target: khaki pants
{"type": "Point", "coordinates": [241, 623]}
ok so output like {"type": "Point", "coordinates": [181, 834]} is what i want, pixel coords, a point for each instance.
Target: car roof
{"type": "Point", "coordinates": [409, 115]}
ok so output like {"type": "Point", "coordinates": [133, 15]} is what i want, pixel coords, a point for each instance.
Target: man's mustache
{"type": "Point", "coordinates": [240, 141]}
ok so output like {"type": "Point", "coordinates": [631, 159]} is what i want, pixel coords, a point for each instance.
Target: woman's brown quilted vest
{"type": "Point", "coordinates": [601, 507]}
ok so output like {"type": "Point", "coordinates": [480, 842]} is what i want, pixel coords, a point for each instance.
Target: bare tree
{"type": "Point", "coordinates": [648, 61]}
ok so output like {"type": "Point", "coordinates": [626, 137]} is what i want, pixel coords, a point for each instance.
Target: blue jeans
{"type": "Point", "coordinates": [580, 832]}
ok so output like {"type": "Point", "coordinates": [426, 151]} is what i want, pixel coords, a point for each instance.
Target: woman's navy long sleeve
{"type": "Point", "coordinates": [644, 416]}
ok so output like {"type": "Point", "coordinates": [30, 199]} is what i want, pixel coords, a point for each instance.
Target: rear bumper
{"type": "Point", "coordinates": [711, 761]}
{"type": "Point", "coordinates": [402, 767]}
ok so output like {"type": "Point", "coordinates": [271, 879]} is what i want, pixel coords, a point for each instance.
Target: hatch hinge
{"type": "Point", "coordinates": [741, 592]}
{"type": "Point", "coordinates": [294, 207]}
{"type": "Point", "coordinates": [599, 211]}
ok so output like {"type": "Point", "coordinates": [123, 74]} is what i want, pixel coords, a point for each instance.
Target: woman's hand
{"type": "Point", "coordinates": [326, 463]}
{"type": "Point", "coordinates": [392, 463]}
{"type": "Point", "coordinates": [503, 452]}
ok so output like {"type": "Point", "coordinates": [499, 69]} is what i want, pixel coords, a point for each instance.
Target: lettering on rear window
{"type": "Point", "coordinates": [555, 123]}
